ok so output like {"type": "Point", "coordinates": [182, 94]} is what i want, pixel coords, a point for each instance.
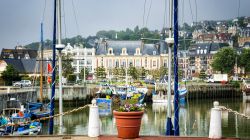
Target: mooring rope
{"type": "Point", "coordinates": [46, 118]}
{"type": "Point", "coordinates": [235, 112]}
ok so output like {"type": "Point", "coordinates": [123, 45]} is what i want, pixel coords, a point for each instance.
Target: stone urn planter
{"type": "Point", "coordinates": [128, 124]}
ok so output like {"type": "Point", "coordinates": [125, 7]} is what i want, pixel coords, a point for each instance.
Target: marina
{"type": "Point", "coordinates": [185, 79]}
{"type": "Point", "coordinates": [194, 120]}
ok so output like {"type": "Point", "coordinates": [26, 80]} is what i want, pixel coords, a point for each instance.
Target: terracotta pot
{"type": "Point", "coordinates": [128, 124]}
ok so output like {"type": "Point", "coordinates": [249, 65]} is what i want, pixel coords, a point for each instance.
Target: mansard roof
{"type": "Point", "coordinates": [203, 49]}
{"type": "Point", "coordinates": [25, 65]}
{"type": "Point", "coordinates": [18, 53]}
{"type": "Point", "coordinates": [117, 46]}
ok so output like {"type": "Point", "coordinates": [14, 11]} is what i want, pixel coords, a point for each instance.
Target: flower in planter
{"type": "Point", "coordinates": [131, 106]}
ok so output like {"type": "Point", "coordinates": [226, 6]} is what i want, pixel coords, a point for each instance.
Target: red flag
{"type": "Point", "coordinates": [49, 67]}
{"type": "Point", "coordinates": [49, 80]}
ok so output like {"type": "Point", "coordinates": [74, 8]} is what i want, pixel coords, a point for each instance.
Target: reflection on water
{"type": "Point", "coordinates": [194, 120]}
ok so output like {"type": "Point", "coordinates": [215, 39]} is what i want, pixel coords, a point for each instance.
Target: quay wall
{"type": "Point", "coordinates": [69, 93]}
{"type": "Point", "coordinates": [213, 91]}
{"type": "Point", "coordinates": [22, 95]}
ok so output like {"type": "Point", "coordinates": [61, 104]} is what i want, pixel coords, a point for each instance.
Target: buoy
{"type": "Point", "coordinates": [94, 120]}
{"type": "Point", "coordinates": [215, 122]}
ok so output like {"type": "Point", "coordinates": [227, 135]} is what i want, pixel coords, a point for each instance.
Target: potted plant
{"type": "Point", "coordinates": [128, 120]}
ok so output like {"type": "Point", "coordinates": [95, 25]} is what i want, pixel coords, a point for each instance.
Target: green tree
{"type": "Point", "coordinates": [142, 72]}
{"type": "Point", "coordinates": [67, 68]}
{"type": "Point", "coordinates": [202, 74]}
{"type": "Point", "coordinates": [10, 74]}
{"type": "Point", "coordinates": [163, 71]}
{"type": "Point", "coordinates": [82, 73]}
{"type": "Point", "coordinates": [244, 60]}
{"type": "Point", "coordinates": [224, 60]}
{"type": "Point", "coordinates": [132, 71]}
{"type": "Point", "coordinates": [100, 72]}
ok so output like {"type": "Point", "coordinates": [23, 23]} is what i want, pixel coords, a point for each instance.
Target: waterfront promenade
{"type": "Point", "coordinates": [78, 137]}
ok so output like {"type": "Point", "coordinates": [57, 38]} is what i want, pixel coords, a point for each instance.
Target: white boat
{"type": "Point", "coordinates": [160, 93]}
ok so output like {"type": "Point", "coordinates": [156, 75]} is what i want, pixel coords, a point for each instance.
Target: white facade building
{"type": "Point", "coordinates": [82, 57]}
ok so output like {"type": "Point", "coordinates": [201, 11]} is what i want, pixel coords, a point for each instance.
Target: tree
{"type": "Point", "coordinates": [244, 60]}
{"type": "Point", "coordinates": [67, 68]}
{"type": "Point", "coordinates": [142, 72]}
{"type": "Point", "coordinates": [224, 60]}
{"type": "Point", "coordinates": [100, 72]}
{"type": "Point", "coordinates": [163, 71]}
{"type": "Point", "coordinates": [10, 74]}
{"type": "Point", "coordinates": [82, 73]}
{"type": "Point", "coordinates": [132, 71]}
{"type": "Point", "coordinates": [202, 74]}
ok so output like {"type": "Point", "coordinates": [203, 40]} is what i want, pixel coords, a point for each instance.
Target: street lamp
{"type": "Point", "coordinates": [60, 47]}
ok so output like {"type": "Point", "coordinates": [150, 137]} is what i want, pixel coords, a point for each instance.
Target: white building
{"type": "Point", "coordinates": [82, 57]}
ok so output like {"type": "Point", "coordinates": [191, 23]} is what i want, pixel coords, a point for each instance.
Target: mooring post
{"type": "Point", "coordinates": [215, 122]}
{"type": "Point", "coordinates": [94, 120]}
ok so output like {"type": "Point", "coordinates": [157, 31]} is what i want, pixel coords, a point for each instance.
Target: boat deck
{"type": "Point", "coordinates": [78, 137]}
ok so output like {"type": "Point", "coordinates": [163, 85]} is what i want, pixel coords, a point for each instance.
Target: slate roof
{"type": "Point", "coordinates": [24, 65]}
{"type": "Point", "coordinates": [18, 53]}
{"type": "Point", "coordinates": [204, 49]}
{"type": "Point", "coordinates": [148, 49]}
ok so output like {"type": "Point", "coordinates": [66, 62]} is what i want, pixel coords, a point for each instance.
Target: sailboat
{"type": "Point", "coordinates": [38, 109]}
{"type": "Point", "coordinates": [17, 114]}
{"type": "Point", "coordinates": [159, 95]}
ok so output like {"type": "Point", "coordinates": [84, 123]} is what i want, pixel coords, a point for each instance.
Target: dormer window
{"type": "Point", "coordinates": [11, 56]}
{"type": "Point", "coordinates": [205, 51]}
{"type": "Point", "coordinates": [137, 52]}
{"type": "Point", "coordinates": [110, 51]}
{"type": "Point", "coordinates": [27, 56]}
{"type": "Point", "coordinates": [124, 51]}
{"type": "Point", "coordinates": [198, 51]}
{"type": "Point", "coordinates": [154, 52]}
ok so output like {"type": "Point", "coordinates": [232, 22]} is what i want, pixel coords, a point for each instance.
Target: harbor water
{"type": "Point", "coordinates": [194, 119]}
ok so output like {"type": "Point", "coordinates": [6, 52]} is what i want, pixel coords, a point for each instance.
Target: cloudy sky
{"type": "Point", "coordinates": [20, 19]}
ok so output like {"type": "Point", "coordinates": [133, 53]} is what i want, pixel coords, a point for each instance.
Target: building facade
{"type": "Point", "coordinates": [82, 58]}
{"type": "Point", "coordinates": [111, 54]}
{"type": "Point", "coordinates": [201, 56]}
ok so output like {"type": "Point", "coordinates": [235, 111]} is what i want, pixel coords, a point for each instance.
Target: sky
{"type": "Point", "coordinates": [20, 19]}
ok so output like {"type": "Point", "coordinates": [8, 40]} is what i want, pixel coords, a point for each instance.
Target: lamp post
{"type": "Point", "coordinates": [170, 42]}
{"type": "Point", "coordinates": [60, 47]}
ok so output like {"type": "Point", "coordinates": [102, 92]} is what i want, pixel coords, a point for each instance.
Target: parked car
{"type": "Point", "coordinates": [22, 83]}
{"type": "Point", "coordinates": [246, 85]}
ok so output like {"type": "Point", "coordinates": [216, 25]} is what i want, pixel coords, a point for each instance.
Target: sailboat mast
{"type": "Point", "coordinates": [176, 93]}
{"type": "Point", "coordinates": [59, 47]}
{"type": "Point", "coordinates": [52, 100]}
{"type": "Point", "coordinates": [41, 66]}
{"type": "Point", "coordinates": [169, 41]}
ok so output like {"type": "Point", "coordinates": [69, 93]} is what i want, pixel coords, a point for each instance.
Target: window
{"type": "Point", "coordinates": [27, 56]}
{"type": "Point", "coordinates": [89, 61]}
{"type": "Point", "coordinates": [137, 63]}
{"type": "Point", "coordinates": [165, 63]}
{"type": "Point", "coordinates": [146, 62]}
{"type": "Point", "coordinates": [110, 51]}
{"type": "Point", "coordinates": [154, 63]}
{"type": "Point", "coordinates": [123, 63]}
{"type": "Point", "coordinates": [74, 62]}
{"type": "Point", "coordinates": [110, 63]}
{"type": "Point", "coordinates": [116, 63]}
{"type": "Point", "coordinates": [137, 51]}
{"type": "Point", "coordinates": [130, 62]}
{"type": "Point", "coordinates": [154, 52]}
{"type": "Point", "coordinates": [11, 56]}
{"type": "Point", "coordinates": [89, 53]}
{"type": "Point", "coordinates": [198, 51]}
{"type": "Point", "coordinates": [124, 51]}
{"type": "Point", "coordinates": [81, 62]}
